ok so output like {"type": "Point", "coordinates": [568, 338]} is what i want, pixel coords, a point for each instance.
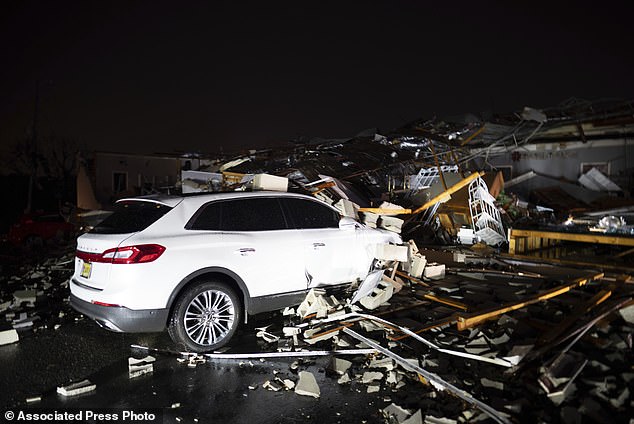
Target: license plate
{"type": "Point", "coordinates": [86, 269]}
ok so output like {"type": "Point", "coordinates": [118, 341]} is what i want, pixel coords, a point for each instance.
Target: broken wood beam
{"type": "Point", "coordinates": [465, 322]}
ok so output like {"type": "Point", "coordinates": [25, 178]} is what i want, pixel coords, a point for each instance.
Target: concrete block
{"type": "Point", "coordinates": [459, 257]}
{"type": "Point", "coordinates": [270, 182]}
{"type": "Point", "coordinates": [75, 389]}
{"type": "Point", "coordinates": [434, 271]}
{"type": "Point", "coordinates": [381, 294]}
{"type": "Point", "coordinates": [347, 208]}
{"type": "Point", "coordinates": [307, 385]}
{"type": "Point", "coordinates": [8, 337]}
{"type": "Point", "coordinates": [370, 219]}
{"type": "Point", "coordinates": [391, 252]}
{"type": "Point", "coordinates": [391, 223]}
{"type": "Point", "coordinates": [417, 265]}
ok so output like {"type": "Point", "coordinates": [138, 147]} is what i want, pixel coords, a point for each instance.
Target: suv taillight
{"type": "Point", "coordinates": [138, 254]}
{"type": "Point", "coordinates": [133, 254]}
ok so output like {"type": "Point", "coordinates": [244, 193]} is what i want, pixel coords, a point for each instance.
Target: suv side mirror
{"type": "Point", "coordinates": [347, 223]}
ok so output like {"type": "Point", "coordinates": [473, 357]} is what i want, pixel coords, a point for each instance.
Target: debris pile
{"type": "Point", "coordinates": [35, 300]}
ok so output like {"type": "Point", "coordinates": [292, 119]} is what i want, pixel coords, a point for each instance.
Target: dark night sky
{"type": "Point", "coordinates": [160, 76]}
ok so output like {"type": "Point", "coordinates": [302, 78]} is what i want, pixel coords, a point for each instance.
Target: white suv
{"type": "Point", "coordinates": [200, 264]}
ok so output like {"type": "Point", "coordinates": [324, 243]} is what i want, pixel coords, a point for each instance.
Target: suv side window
{"type": "Point", "coordinates": [310, 214]}
{"type": "Point", "coordinates": [255, 214]}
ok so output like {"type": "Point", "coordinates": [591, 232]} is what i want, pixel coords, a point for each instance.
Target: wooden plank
{"type": "Point", "coordinates": [472, 136]}
{"type": "Point", "coordinates": [585, 238]}
{"type": "Point", "coordinates": [450, 302]}
{"type": "Point", "coordinates": [556, 261]}
{"type": "Point", "coordinates": [381, 211]}
{"type": "Point", "coordinates": [465, 322]}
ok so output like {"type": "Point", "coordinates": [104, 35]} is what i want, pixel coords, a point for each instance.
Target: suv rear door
{"type": "Point", "coordinates": [329, 251]}
{"type": "Point", "coordinates": [257, 243]}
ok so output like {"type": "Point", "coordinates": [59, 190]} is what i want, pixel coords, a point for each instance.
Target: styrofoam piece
{"type": "Point", "coordinates": [307, 385]}
{"type": "Point", "coordinates": [391, 206]}
{"type": "Point", "coordinates": [270, 182]}
{"type": "Point", "coordinates": [434, 271]}
{"type": "Point", "coordinates": [391, 252]}
{"type": "Point", "coordinates": [75, 389]}
{"type": "Point", "coordinates": [8, 337]}
{"type": "Point", "coordinates": [416, 418]}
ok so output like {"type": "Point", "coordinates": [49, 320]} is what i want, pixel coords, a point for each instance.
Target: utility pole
{"type": "Point", "coordinates": [32, 151]}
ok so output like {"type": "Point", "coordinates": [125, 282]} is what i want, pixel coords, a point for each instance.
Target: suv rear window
{"type": "Point", "coordinates": [131, 217]}
{"type": "Point", "coordinates": [310, 214]}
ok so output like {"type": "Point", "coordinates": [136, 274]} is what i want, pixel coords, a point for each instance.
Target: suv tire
{"type": "Point", "coordinates": [205, 316]}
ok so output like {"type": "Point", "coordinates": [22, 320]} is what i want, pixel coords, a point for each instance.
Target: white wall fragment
{"type": "Point", "coordinates": [416, 418]}
{"type": "Point", "coordinates": [138, 367]}
{"type": "Point", "coordinates": [628, 314]}
{"type": "Point", "coordinates": [393, 410]}
{"type": "Point", "coordinates": [307, 385]}
{"type": "Point", "coordinates": [8, 337]}
{"type": "Point", "coordinates": [339, 366]}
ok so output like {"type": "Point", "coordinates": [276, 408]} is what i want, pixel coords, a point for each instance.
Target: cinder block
{"type": "Point", "coordinates": [381, 294]}
{"type": "Point", "coordinates": [391, 223]}
{"type": "Point", "coordinates": [417, 265]}
{"type": "Point", "coordinates": [347, 208]}
{"type": "Point", "coordinates": [391, 252]}
{"type": "Point", "coordinates": [434, 271]}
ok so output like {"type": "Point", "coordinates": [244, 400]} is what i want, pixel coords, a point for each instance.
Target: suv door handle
{"type": "Point", "coordinates": [244, 251]}
{"type": "Point", "coordinates": [317, 245]}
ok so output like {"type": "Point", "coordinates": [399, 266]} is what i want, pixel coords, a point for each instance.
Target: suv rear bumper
{"type": "Point", "coordinates": [121, 319]}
